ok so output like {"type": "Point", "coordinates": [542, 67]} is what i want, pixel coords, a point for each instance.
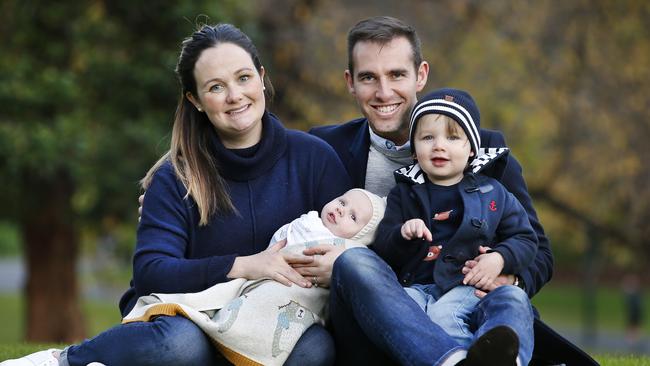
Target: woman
{"type": "Point", "coordinates": [232, 176]}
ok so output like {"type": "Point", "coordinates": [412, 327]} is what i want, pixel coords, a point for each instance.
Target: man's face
{"type": "Point", "coordinates": [385, 83]}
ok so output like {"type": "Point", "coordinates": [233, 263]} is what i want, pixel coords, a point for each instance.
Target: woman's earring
{"type": "Point", "coordinates": [199, 109]}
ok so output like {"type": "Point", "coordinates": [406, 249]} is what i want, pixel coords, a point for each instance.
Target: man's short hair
{"type": "Point", "coordinates": [383, 29]}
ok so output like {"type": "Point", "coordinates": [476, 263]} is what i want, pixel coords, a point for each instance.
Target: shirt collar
{"type": "Point", "coordinates": [382, 143]}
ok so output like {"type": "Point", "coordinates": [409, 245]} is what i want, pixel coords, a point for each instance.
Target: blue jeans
{"type": "Point", "coordinates": [176, 340]}
{"type": "Point", "coordinates": [509, 306]}
{"type": "Point", "coordinates": [375, 321]}
{"type": "Point", "coordinates": [452, 311]}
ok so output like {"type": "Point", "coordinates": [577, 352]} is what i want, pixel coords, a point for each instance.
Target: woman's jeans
{"type": "Point", "coordinates": [175, 340]}
{"type": "Point", "coordinates": [375, 321]}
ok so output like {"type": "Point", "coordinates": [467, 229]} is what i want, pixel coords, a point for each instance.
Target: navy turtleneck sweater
{"type": "Point", "coordinates": [290, 173]}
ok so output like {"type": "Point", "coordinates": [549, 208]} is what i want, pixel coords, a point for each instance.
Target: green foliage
{"type": "Point", "coordinates": [88, 92]}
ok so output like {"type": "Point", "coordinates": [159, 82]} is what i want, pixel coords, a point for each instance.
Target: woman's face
{"type": "Point", "coordinates": [230, 91]}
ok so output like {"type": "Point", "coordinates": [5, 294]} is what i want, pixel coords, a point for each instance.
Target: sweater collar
{"type": "Point", "coordinates": [271, 148]}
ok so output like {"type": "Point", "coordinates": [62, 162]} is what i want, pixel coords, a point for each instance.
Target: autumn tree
{"type": "Point", "coordinates": [87, 93]}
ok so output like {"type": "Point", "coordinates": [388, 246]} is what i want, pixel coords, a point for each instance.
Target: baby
{"type": "Point", "coordinates": [260, 321]}
{"type": "Point", "coordinates": [353, 216]}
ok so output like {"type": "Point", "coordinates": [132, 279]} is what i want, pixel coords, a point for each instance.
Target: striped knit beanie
{"type": "Point", "coordinates": [454, 103]}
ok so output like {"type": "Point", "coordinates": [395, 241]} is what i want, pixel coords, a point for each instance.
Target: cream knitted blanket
{"type": "Point", "coordinates": [253, 322]}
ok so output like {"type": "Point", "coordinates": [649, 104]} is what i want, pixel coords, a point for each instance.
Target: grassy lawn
{"type": "Point", "coordinates": [606, 360]}
{"type": "Point", "coordinates": [14, 350]}
{"type": "Point", "coordinates": [561, 305]}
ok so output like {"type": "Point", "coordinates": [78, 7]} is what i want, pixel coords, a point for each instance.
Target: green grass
{"type": "Point", "coordinates": [562, 305]}
{"type": "Point", "coordinates": [14, 350]}
{"type": "Point", "coordinates": [609, 360]}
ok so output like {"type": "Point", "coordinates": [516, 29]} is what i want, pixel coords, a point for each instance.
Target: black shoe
{"type": "Point", "coordinates": [497, 347]}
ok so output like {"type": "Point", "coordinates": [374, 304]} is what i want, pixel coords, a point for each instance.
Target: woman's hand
{"type": "Point", "coordinates": [273, 264]}
{"type": "Point", "coordinates": [319, 271]}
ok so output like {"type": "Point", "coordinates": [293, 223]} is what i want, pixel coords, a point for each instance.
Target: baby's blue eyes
{"type": "Point", "coordinates": [352, 216]}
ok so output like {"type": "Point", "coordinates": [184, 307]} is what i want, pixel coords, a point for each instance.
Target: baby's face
{"type": "Point", "coordinates": [345, 216]}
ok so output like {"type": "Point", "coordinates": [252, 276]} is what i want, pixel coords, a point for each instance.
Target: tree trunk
{"type": "Point", "coordinates": [51, 246]}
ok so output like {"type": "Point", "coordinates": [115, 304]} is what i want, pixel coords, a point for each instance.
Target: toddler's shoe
{"type": "Point", "coordinates": [498, 346]}
{"type": "Point", "coordinates": [41, 358]}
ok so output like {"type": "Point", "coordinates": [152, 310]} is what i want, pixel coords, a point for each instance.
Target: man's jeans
{"type": "Point", "coordinates": [175, 340]}
{"type": "Point", "coordinates": [375, 321]}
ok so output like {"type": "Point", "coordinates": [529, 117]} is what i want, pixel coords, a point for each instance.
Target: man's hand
{"type": "Point", "coordinates": [319, 271]}
{"type": "Point", "coordinates": [499, 281]}
{"type": "Point", "coordinates": [487, 269]}
{"type": "Point", "coordinates": [414, 229]}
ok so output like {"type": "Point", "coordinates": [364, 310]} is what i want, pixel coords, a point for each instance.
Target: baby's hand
{"type": "Point", "coordinates": [415, 228]}
{"type": "Point", "coordinates": [486, 270]}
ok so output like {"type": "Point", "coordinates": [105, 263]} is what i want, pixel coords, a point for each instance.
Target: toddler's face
{"type": "Point", "coordinates": [442, 149]}
{"type": "Point", "coordinates": [346, 215]}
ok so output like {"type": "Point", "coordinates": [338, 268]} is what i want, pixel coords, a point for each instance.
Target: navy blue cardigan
{"type": "Point", "coordinates": [492, 216]}
{"type": "Point", "coordinates": [291, 173]}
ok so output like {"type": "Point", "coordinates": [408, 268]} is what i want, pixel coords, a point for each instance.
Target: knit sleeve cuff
{"type": "Point", "coordinates": [217, 269]}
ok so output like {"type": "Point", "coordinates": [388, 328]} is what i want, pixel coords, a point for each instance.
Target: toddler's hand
{"type": "Point", "coordinates": [415, 228]}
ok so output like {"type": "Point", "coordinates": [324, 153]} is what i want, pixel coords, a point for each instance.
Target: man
{"type": "Point", "coordinates": [385, 71]}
